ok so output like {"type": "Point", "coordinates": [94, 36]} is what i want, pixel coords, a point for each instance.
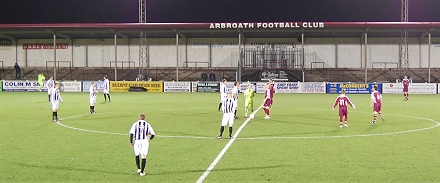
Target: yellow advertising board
{"type": "Point", "coordinates": [123, 86]}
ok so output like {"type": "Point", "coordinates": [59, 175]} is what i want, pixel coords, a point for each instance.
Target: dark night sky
{"type": "Point", "coordinates": [126, 11]}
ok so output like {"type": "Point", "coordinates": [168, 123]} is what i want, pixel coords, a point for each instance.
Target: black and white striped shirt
{"type": "Point", "coordinates": [141, 129]}
{"type": "Point", "coordinates": [228, 106]}
{"type": "Point", "coordinates": [55, 95]}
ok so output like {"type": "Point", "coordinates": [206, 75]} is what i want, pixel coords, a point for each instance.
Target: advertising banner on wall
{"type": "Point", "coordinates": [38, 46]}
{"type": "Point", "coordinates": [71, 86]}
{"type": "Point", "coordinates": [415, 88]}
{"type": "Point", "coordinates": [194, 86]}
{"type": "Point", "coordinates": [287, 87]}
{"type": "Point", "coordinates": [177, 87]}
{"type": "Point", "coordinates": [276, 75]}
{"type": "Point", "coordinates": [207, 87]}
{"type": "Point", "coordinates": [355, 88]}
{"type": "Point", "coordinates": [26, 86]}
{"type": "Point", "coordinates": [312, 87]}
{"type": "Point", "coordinates": [260, 87]}
{"type": "Point", "coordinates": [86, 85]}
{"type": "Point", "coordinates": [123, 86]}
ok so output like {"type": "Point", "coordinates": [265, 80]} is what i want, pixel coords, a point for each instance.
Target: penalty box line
{"type": "Point", "coordinates": [223, 151]}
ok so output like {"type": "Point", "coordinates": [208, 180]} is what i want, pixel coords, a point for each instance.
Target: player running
{"type": "Point", "coordinates": [140, 135]}
{"type": "Point", "coordinates": [376, 99]}
{"type": "Point", "coordinates": [249, 94]}
{"type": "Point", "coordinates": [55, 99]}
{"type": "Point", "coordinates": [405, 83]}
{"type": "Point", "coordinates": [268, 94]}
{"type": "Point", "coordinates": [41, 80]}
{"type": "Point", "coordinates": [106, 89]}
{"type": "Point", "coordinates": [50, 85]}
{"type": "Point", "coordinates": [223, 93]}
{"type": "Point", "coordinates": [92, 95]}
{"type": "Point", "coordinates": [342, 101]}
{"type": "Point", "coordinates": [228, 107]}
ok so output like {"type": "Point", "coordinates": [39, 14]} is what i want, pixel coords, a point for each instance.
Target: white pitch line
{"type": "Point", "coordinates": [219, 156]}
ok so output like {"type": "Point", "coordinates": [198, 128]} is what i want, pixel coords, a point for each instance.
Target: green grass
{"type": "Point", "coordinates": [302, 142]}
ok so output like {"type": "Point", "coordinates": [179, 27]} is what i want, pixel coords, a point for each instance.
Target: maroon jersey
{"type": "Point", "coordinates": [342, 101]}
{"type": "Point", "coordinates": [272, 86]}
{"type": "Point", "coordinates": [405, 83]}
{"type": "Point", "coordinates": [268, 94]}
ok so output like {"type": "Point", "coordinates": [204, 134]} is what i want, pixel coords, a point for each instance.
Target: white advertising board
{"type": "Point", "coordinates": [86, 85]}
{"type": "Point", "coordinates": [194, 86]}
{"type": "Point", "coordinates": [17, 85]}
{"type": "Point", "coordinates": [71, 86]}
{"type": "Point", "coordinates": [312, 87]}
{"type": "Point", "coordinates": [260, 87]}
{"type": "Point", "coordinates": [287, 87]}
{"type": "Point", "coordinates": [414, 88]}
{"type": "Point", "coordinates": [177, 87]}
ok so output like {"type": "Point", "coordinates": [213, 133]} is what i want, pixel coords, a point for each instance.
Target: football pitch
{"type": "Point", "coordinates": [302, 142]}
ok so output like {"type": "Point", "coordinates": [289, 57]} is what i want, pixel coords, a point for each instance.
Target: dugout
{"type": "Point", "coordinates": [304, 51]}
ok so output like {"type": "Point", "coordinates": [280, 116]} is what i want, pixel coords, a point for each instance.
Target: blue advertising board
{"type": "Point", "coordinates": [354, 88]}
{"type": "Point", "coordinates": [86, 85]}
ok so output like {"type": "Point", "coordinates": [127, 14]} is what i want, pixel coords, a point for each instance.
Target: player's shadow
{"type": "Point", "coordinates": [218, 169]}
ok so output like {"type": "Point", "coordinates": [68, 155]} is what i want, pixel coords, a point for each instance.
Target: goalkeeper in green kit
{"type": "Point", "coordinates": [249, 94]}
{"type": "Point", "coordinates": [41, 80]}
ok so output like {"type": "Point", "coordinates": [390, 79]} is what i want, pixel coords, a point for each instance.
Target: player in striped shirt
{"type": "Point", "coordinates": [376, 99]}
{"type": "Point", "coordinates": [228, 107]}
{"type": "Point", "coordinates": [223, 93]}
{"type": "Point", "coordinates": [141, 133]}
{"type": "Point", "coordinates": [234, 92]}
{"type": "Point", "coordinates": [106, 89]}
{"type": "Point", "coordinates": [342, 101]}
{"type": "Point", "coordinates": [50, 85]}
{"type": "Point", "coordinates": [55, 98]}
{"type": "Point", "coordinates": [92, 96]}
{"type": "Point", "coordinates": [405, 83]}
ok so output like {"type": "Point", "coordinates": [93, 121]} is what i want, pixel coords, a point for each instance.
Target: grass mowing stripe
{"type": "Point", "coordinates": [223, 151]}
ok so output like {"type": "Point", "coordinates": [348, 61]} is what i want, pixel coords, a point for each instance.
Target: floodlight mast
{"type": "Point", "coordinates": [143, 47]}
{"type": "Point", "coordinates": [404, 61]}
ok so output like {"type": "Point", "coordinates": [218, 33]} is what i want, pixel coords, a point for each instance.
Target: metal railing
{"type": "Point", "coordinates": [197, 64]}
{"type": "Point", "coordinates": [50, 64]}
{"type": "Point", "coordinates": [256, 57]}
{"type": "Point", "coordinates": [120, 64]}
{"type": "Point", "coordinates": [385, 65]}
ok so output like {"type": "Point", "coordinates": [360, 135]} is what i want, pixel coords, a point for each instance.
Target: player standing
{"type": "Point", "coordinates": [41, 80]}
{"type": "Point", "coordinates": [342, 100]}
{"type": "Point", "coordinates": [55, 98]}
{"type": "Point", "coordinates": [234, 93]}
{"type": "Point", "coordinates": [141, 133]}
{"type": "Point", "coordinates": [268, 94]}
{"type": "Point", "coordinates": [223, 93]}
{"type": "Point", "coordinates": [376, 98]}
{"type": "Point", "coordinates": [228, 107]}
{"type": "Point", "coordinates": [271, 84]}
{"type": "Point", "coordinates": [92, 95]}
{"type": "Point", "coordinates": [106, 89]}
{"type": "Point", "coordinates": [249, 94]}
{"type": "Point", "coordinates": [50, 85]}
{"type": "Point", "coordinates": [405, 83]}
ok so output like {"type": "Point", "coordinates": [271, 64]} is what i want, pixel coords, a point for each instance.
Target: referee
{"type": "Point", "coordinates": [229, 106]}
{"type": "Point", "coordinates": [140, 135]}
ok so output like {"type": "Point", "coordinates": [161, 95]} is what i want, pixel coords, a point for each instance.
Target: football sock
{"type": "Point", "coordinates": [245, 112]}
{"type": "Point", "coordinates": [340, 123]}
{"type": "Point", "coordinates": [235, 113]}
{"type": "Point", "coordinates": [346, 119]}
{"type": "Point", "coordinates": [265, 111]}
{"type": "Point", "coordinates": [108, 95]}
{"type": "Point", "coordinates": [375, 116]}
{"type": "Point", "coordinates": [138, 162]}
{"type": "Point", "coordinates": [346, 122]}
{"type": "Point", "coordinates": [105, 97]}
{"type": "Point", "coordinates": [144, 162]}
{"type": "Point", "coordinates": [219, 106]}
{"type": "Point", "coordinates": [340, 119]}
{"type": "Point", "coordinates": [49, 97]}
{"type": "Point", "coordinates": [268, 112]}
{"type": "Point", "coordinates": [53, 115]}
{"type": "Point", "coordinates": [221, 130]}
{"type": "Point", "coordinates": [91, 109]}
{"type": "Point", "coordinates": [56, 115]}
{"type": "Point", "coordinates": [230, 131]}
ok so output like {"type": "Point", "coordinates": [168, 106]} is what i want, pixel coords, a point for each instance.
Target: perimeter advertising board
{"type": "Point", "coordinates": [177, 87]}
{"type": "Point", "coordinates": [415, 88]}
{"type": "Point", "coordinates": [86, 85]}
{"type": "Point", "coordinates": [354, 88]}
{"type": "Point", "coordinates": [71, 86]}
{"type": "Point", "coordinates": [287, 87]}
{"type": "Point", "coordinates": [207, 87]}
{"type": "Point", "coordinates": [123, 86]}
{"type": "Point", "coordinates": [1, 86]}
{"type": "Point", "coordinates": [312, 87]}
{"type": "Point", "coordinates": [26, 86]}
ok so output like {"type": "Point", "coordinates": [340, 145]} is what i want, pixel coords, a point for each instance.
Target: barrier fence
{"type": "Point", "coordinates": [259, 87]}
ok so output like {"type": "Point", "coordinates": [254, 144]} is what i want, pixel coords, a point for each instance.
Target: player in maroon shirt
{"type": "Point", "coordinates": [268, 94]}
{"type": "Point", "coordinates": [271, 84]}
{"type": "Point", "coordinates": [405, 83]}
{"type": "Point", "coordinates": [376, 99]}
{"type": "Point", "coordinates": [342, 101]}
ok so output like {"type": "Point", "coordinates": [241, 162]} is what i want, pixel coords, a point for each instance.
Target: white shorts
{"type": "Point", "coordinates": [55, 105]}
{"type": "Point", "coordinates": [236, 102]}
{"type": "Point", "coordinates": [106, 91]}
{"type": "Point", "coordinates": [140, 147]}
{"type": "Point", "coordinates": [228, 118]}
{"type": "Point", "coordinates": [93, 100]}
{"type": "Point", "coordinates": [223, 97]}
{"type": "Point", "coordinates": [48, 91]}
